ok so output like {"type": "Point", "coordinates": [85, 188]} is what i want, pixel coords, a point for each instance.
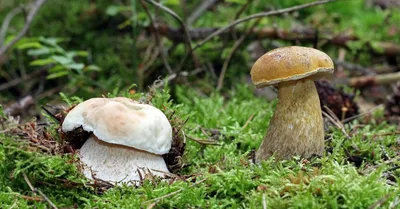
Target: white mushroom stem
{"type": "Point", "coordinates": [116, 163]}
{"type": "Point", "coordinates": [296, 127]}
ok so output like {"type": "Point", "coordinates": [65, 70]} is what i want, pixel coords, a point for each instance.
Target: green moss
{"type": "Point", "coordinates": [221, 176]}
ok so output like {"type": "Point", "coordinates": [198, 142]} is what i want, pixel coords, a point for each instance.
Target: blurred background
{"type": "Point", "coordinates": [89, 48]}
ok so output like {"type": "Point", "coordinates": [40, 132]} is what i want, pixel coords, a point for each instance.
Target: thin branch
{"type": "Point", "coordinates": [200, 10]}
{"type": "Point", "coordinates": [14, 204]}
{"type": "Point", "coordinates": [185, 30]}
{"type": "Point", "coordinates": [242, 9]}
{"type": "Point", "coordinates": [380, 201]}
{"type": "Point", "coordinates": [157, 37]}
{"type": "Point", "coordinates": [17, 81]}
{"type": "Point", "coordinates": [248, 121]}
{"type": "Point", "coordinates": [259, 15]}
{"type": "Point", "coordinates": [335, 120]}
{"type": "Point", "coordinates": [228, 59]}
{"type": "Point", "coordinates": [306, 34]}
{"type": "Point", "coordinates": [264, 201]}
{"type": "Point", "coordinates": [20, 106]}
{"type": "Point", "coordinates": [364, 70]}
{"type": "Point", "coordinates": [160, 83]}
{"type": "Point", "coordinates": [32, 13]}
{"type": "Point", "coordinates": [34, 190]}
{"type": "Point", "coordinates": [364, 113]}
{"type": "Point", "coordinates": [7, 21]}
{"type": "Point", "coordinates": [370, 80]}
{"type": "Point", "coordinates": [236, 45]}
{"type": "Point", "coordinates": [204, 141]}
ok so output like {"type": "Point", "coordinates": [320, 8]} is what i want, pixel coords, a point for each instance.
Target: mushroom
{"type": "Point", "coordinates": [296, 127]}
{"type": "Point", "coordinates": [126, 137]}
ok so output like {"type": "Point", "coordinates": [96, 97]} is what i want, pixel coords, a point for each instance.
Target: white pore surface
{"type": "Point", "coordinates": [122, 121]}
{"type": "Point", "coordinates": [118, 164]}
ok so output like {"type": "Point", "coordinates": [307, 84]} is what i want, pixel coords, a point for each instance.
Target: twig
{"type": "Point", "coordinates": [228, 59]}
{"type": "Point", "coordinates": [335, 120]}
{"type": "Point", "coordinates": [258, 15]}
{"type": "Point", "coordinates": [200, 10]}
{"type": "Point", "coordinates": [307, 34]}
{"type": "Point", "coordinates": [7, 21]}
{"type": "Point", "coordinates": [393, 168]}
{"type": "Point", "coordinates": [173, 193]}
{"type": "Point", "coordinates": [386, 134]}
{"type": "Point", "coordinates": [17, 81]}
{"type": "Point", "coordinates": [160, 83]}
{"type": "Point", "coordinates": [395, 202]}
{"type": "Point", "coordinates": [157, 37]}
{"type": "Point", "coordinates": [236, 45]}
{"type": "Point", "coordinates": [150, 61]}
{"type": "Point", "coordinates": [379, 202]}
{"type": "Point", "coordinates": [38, 199]}
{"type": "Point", "coordinates": [34, 190]}
{"type": "Point", "coordinates": [50, 114]}
{"type": "Point", "coordinates": [19, 106]}
{"type": "Point", "coordinates": [264, 201]}
{"type": "Point", "coordinates": [354, 67]}
{"type": "Point", "coordinates": [153, 204]}
{"type": "Point", "coordinates": [14, 204]}
{"type": "Point", "coordinates": [47, 199]}
{"type": "Point", "coordinates": [242, 9]}
{"type": "Point", "coordinates": [185, 30]}
{"type": "Point", "coordinates": [362, 114]}
{"type": "Point", "coordinates": [248, 121]}
{"type": "Point", "coordinates": [32, 13]}
{"type": "Point", "coordinates": [371, 80]}
{"type": "Point", "coordinates": [204, 141]}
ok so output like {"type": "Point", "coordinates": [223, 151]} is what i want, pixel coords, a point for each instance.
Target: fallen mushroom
{"type": "Point", "coordinates": [296, 127]}
{"type": "Point", "coordinates": [127, 138]}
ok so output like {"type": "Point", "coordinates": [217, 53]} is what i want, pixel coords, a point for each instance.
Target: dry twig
{"type": "Point", "coordinates": [259, 15]}
{"type": "Point", "coordinates": [160, 83]}
{"type": "Point", "coordinates": [184, 28]}
{"type": "Point", "coordinates": [157, 37]}
{"type": "Point", "coordinates": [228, 59]}
{"type": "Point", "coordinates": [370, 80]}
{"type": "Point", "coordinates": [248, 121]}
{"type": "Point", "coordinates": [204, 141]}
{"type": "Point", "coordinates": [378, 203]}
{"type": "Point", "coordinates": [12, 83]}
{"type": "Point", "coordinates": [335, 120]}
{"type": "Point", "coordinates": [306, 34]}
{"type": "Point", "coordinates": [19, 106]}
{"type": "Point", "coordinates": [364, 113]}
{"type": "Point", "coordinates": [34, 190]}
{"type": "Point", "coordinates": [32, 13]}
{"type": "Point", "coordinates": [200, 10]}
{"type": "Point", "coordinates": [7, 21]}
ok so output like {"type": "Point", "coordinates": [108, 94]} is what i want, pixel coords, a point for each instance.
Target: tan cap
{"type": "Point", "coordinates": [289, 63]}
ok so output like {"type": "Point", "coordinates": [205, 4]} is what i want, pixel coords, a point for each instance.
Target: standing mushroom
{"type": "Point", "coordinates": [127, 138]}
{"type": "Point", "coordinates": [296, 127]}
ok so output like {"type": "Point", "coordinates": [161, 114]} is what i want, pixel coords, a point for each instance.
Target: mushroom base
{"type": "Point", "coordinates": [119, 164]}
{"type": "Point", "coordinates": [296, 127]}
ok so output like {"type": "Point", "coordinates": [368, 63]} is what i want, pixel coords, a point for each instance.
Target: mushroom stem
{"type": "Point", "coordinates": [109, 162]}
{"type": "Point", "coordinates": [296, 127]}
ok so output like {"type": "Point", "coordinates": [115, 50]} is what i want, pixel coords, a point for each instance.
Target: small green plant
{"type": "Point", "coordinates": [46, 52]}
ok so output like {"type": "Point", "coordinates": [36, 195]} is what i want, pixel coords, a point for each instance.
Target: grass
{"type": "Point", "coordinates": [355, 172]}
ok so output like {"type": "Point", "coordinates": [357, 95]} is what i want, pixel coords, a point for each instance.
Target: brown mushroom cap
{"type": "Point", "coordinates": [290, 63]}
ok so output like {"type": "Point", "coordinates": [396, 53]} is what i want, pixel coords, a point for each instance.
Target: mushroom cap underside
{"type": "Point", "coordinates": [290, 63]}
{"type": "Point", "coordinates": [124, 122]}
